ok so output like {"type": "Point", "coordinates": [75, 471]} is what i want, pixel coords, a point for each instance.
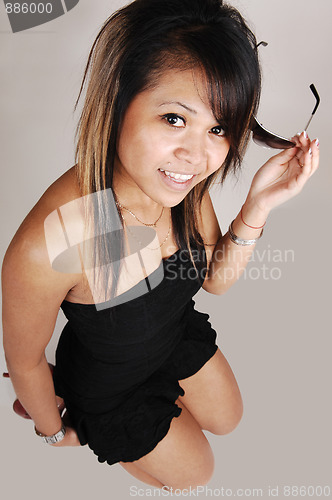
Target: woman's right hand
{"type": "Point", "coordinates": [70, 439]}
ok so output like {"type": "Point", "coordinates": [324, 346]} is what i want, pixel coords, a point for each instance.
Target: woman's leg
{"type": "Point", "coordinates": [141, 474]}
{"type": "Point", "coordinates": [183, 458]}
{"type": "Point", "coordinates": [213, 397]}
{"type": "Point", "coordinates": [213, 387]}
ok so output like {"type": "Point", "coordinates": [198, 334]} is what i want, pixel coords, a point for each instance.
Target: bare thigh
{"type": "Point", "coordinates": [182, 458]}
{"type": "Point", "coordinates": [213, 397]}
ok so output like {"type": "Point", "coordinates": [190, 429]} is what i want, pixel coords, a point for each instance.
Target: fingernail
{"type": "Point", "coordinates": [310, 152]}
{"type": "Point", "coordinates": [299, 133]}
{"type": "Point", "coordinates": [317, 142]}
{"type": "Point", "coordinates": [305, 134]}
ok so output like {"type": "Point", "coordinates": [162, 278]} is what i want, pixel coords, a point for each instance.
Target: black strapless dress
{"type": "Point", "coordinates": [119, 377]}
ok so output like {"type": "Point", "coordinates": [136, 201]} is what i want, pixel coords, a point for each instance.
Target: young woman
{"type": "Point", "coordinates": [171, 98]}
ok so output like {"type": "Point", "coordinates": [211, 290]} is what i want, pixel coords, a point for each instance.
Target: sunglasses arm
{"type": "Point", "coordinates": [307, 125]}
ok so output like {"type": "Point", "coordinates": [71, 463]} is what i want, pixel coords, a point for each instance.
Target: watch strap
{"type": "Point", "coordinates": [240, 241]}
{"type": "Point", "coordinates": [55, 438]}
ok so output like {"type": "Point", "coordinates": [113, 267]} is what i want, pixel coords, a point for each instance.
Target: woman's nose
{"type": "Point", "coordinates": [192, 150]}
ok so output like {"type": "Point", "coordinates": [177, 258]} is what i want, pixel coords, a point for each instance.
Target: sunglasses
{"type": "Point", "coordinates": [265, 138]}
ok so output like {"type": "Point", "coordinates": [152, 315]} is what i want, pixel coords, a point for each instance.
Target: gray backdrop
{"type": "Point", "coordinates": [272, 324]}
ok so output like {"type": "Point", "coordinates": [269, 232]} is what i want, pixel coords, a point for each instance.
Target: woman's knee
{"type": "Point", "coordinates": [199, 474]}
{"type": "Point", "coordinates": [228, 422]}
{"type": "Point", "coordinates": [197, 471]}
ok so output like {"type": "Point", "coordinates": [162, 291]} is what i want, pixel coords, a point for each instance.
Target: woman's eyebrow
{"type": "Point", "coordinates": [180, 104]}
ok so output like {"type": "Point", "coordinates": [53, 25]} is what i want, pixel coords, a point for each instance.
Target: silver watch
{"type": "Point", "coordinates": [56, 438]}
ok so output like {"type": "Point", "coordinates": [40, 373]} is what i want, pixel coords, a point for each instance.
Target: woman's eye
{"type": "Point", "coordinates": [174, 120]}
{"type": "Point", "coordinates": [218, 131]}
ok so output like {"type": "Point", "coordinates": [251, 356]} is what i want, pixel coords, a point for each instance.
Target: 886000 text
{"type": "Point", "coordinates": [31, 8]}
{"type": "Point", "coordinates": [306, 491]}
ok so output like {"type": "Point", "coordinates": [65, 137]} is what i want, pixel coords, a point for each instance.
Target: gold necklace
{"type": "Point", "coordinates": [154, 224]}
{"type": "Point", "coordinates": [169, 230]}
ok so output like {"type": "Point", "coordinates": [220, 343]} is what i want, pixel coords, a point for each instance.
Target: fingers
{"type": "Point", "coordinates": [305, 153]}
{"type": "Point", "coordinates": [315, 156]}
{"type": "Point", "coordinates": [284, 156]}
{"type": "Point", "coordinates": [304, 145]}
{"type": "Point", "coordinates": [296, 139]}
{"type": "Point", "coordinates": [307, 156]}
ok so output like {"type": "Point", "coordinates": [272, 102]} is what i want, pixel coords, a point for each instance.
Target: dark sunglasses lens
{"type": "Point", "coordinates": [263, 137]}
{"type": "Point", "coordinates": [273, 142]}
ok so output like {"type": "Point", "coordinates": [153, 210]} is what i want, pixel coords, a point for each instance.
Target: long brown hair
{"type": "Point", "coordinates": [133, 48]}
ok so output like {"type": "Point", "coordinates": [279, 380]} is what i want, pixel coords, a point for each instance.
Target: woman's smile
{"type": "Point", "coordinates": [179, 182]}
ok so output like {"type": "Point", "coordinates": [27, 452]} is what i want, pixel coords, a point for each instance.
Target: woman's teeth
{"type": "Point", "coordinates": [178, 177]}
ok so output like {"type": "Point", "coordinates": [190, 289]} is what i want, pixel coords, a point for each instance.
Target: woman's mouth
{"type": "Point", "coordinates": [175, 180]}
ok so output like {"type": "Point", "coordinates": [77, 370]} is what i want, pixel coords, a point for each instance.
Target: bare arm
{"type": "Point", "coordinates": [32, 294]}
{"type": "Point", "coordinates": [279, 179]}
{"type": "Point", "coordinates": [228, 260]}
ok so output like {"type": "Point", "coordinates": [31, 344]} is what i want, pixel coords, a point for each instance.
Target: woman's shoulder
{"type": "Point", "coordinates": [37, 236]}
{"type": "Point", "coordinates": [33, 290]}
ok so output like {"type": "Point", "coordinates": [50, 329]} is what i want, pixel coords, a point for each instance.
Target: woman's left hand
{"type": "Point", "coordinates": [283, 175]}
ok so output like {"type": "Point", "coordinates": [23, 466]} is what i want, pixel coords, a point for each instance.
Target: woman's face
{"type": "Point", "coordinates": [171, 129]}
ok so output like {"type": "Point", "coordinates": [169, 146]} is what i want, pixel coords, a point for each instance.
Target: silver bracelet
{"type": "Point", "coordinates": [240, 241]}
